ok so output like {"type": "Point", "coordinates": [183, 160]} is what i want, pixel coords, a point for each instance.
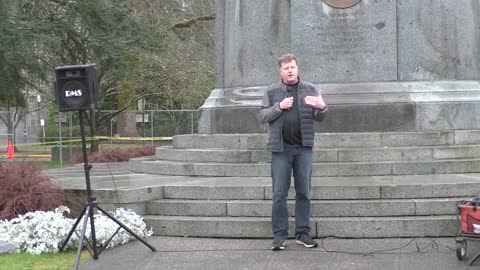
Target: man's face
{"type": "Point", "coordinates": [289, 72]}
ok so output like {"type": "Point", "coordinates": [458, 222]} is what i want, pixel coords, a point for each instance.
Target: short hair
{"type": "Point", "coordinates": [286, 58]}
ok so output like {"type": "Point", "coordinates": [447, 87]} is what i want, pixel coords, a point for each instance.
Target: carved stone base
{"type": "Point", "coordinates": [358, 107]}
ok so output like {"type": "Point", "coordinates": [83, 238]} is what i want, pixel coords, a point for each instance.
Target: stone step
{"type": "Point", "coordinates": [396, 197]}
{"type": "Point", "coordinates": [343, 227]}
{"type": "Point", "coordinates": [333, 140]}
{"type": "Point", "coordinates": [324, 154]}
{"type": "Point", "coordinates": [97, 169]}
{"type": "Point", "coordinates": [329, 188]}
{"type": "Point", "coordinates": [81, 173]}
{"type": "Point", "coordinates": [319, 208]}
{"type": "Point", "coordinates": [318, 169]}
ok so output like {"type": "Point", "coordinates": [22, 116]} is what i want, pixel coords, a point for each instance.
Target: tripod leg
{"type": "Point", "coordinates": [82, 236]}
{"type": "Point", "coordinates": [73, 229]}
{"type": "Point", "coordinates": [474, 259]}
{"type": "Point", "coordinates": [92, 227]}
{"type": "Point", "coordinates": [126, 228]}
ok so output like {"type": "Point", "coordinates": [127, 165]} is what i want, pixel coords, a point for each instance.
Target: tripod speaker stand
{"type": "Point", "coordinates": [88, 212]}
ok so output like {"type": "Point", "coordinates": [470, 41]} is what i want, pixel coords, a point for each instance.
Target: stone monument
{"type": "Point", "coordinates": [390, 65]}
{"type": "Point", "coordinates": [401, 80]}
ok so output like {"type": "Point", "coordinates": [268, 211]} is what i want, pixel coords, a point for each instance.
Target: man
{"type": "Point", "coordinates": [289, 108]}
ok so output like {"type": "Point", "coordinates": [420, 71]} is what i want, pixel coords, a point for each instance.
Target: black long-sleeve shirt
{"type": "Point", "coordinates": [291, 126]}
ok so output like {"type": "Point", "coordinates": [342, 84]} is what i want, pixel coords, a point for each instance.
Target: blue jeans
{"type": "Point", "coordinates": [298, 159]}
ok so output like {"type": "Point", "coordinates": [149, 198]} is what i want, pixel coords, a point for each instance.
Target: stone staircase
{"type": "Point", "coordinates": [338, 154]}
{"type": "Point", "coordinates": [343, 207]}
{"type": "Point", "coordinates": [398, 184]}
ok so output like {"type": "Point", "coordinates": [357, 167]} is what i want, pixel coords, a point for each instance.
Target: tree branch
{"type": "Point", "coordinates": [187, 23]}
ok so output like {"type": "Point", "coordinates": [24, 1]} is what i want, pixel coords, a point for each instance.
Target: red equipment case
{"type": "Point", "coordinates": [469, 217]}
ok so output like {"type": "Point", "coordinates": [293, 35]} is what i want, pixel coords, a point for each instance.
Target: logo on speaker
{"type": "Point", "coordinates": [73, 93]}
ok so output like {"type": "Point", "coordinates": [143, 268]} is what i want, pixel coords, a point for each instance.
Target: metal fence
{"type": "Point", "coordinates": [42, 127]}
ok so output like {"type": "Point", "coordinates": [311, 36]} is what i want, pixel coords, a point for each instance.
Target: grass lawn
{"type": "Point", "coordinates": [50, 261]}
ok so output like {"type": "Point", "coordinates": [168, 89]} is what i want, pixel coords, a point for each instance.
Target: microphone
{"type": "Point", "coordinates": [290, 93]}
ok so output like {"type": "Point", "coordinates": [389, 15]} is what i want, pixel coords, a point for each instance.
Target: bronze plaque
{"type": "Point", "coordinates": [341, 3]}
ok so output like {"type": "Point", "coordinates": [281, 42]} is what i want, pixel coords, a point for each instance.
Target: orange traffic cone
{"type": "Point", "coordinates": [10, 149]}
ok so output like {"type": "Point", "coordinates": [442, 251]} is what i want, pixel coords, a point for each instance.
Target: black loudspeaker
{"type": "Point", "coordinates": [76, 87]}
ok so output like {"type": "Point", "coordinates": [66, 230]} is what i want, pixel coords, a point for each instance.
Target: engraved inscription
{"type": "Point", "coordinates": [346, 45]}
{"type": "Point", "coordinates": [341, 3]}
{"type": "Point", "coordinates": [343, 36]}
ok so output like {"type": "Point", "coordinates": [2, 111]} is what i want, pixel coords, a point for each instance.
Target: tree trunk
{"type": "Point", "coordinates": [126, 120]}
{"type": "Point", "coordinates": [126, 124]}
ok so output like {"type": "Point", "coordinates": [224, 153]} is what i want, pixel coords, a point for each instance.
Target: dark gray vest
{"type": "Point", "coordinates": [277, 93]}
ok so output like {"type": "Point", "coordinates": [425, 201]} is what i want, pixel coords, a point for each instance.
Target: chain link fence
{"type": "Point", "coordinates": [25, 128]}
{"type": "Point", "coordinates": [152, 123]}
{"type": "Point", "coordinates": [42, 129]}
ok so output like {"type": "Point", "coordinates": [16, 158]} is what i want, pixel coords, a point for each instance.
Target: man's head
{"type": "Point", "coordinates": [288, 69]}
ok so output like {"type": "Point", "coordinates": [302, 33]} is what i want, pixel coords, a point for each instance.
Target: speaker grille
{"type": "Point", "coordinates": [74, 94]}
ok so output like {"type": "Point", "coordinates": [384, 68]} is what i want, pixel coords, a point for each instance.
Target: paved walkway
{"type": "Point", "coordinates": [207, 253]}
{"type": "Point", "coordinates": [347, 254]}
{"type": "Point", "coordinates": [6, 247]}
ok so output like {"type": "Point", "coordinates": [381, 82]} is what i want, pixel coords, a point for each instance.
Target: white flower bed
{"type": "Point", "coordinates": [40, 231]}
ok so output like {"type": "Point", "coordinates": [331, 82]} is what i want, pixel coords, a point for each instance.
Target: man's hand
{"type": "Point", "coordinates": [286, 103]}
{"type": "Point", "coordinates": [316, 102]}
